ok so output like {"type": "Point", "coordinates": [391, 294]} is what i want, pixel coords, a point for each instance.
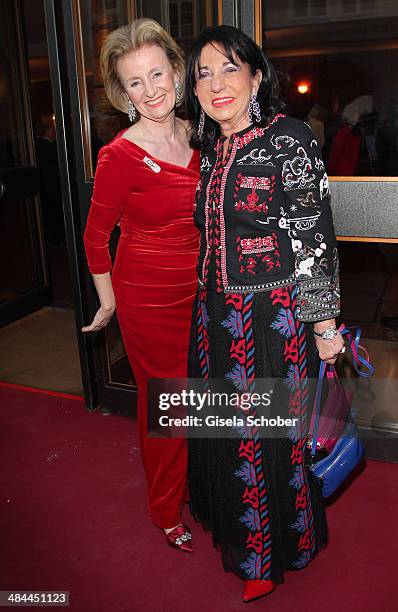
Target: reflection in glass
{"type": "Point", "coordinates": [25, 272]}
{"type": "Point", "coordinates": [22, 267]}
{"type": "Point", "coordinates": [12, 150]}
{"type": "Point", "coordinates": [182, 22]}
{"type": "Point", "coordinates": [98, 18]}
{"type": "Point", "coordinates": [369, 294]}
{"type": "Point", "coordinates": [369, 300]}
{"type": "Point", "coordinates": [186, 18]}
{"type": "Point", "coordinates": [337, 64]}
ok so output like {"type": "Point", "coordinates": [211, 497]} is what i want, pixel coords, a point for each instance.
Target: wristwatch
{"type": "Point", "coordinates": [328, 334]}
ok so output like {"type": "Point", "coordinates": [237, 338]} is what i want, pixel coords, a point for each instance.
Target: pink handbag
{"type": "Point", "coordinates": [337, 405]}
{"type": "Point", "coordinates": [335, 411]}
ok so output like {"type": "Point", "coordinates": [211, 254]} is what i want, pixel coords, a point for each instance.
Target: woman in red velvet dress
{"type": "Point", "coordinates": [145, 181]}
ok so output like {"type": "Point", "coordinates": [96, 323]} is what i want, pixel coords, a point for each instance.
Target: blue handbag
{"type": "Point", "coordinates": [348, 451]}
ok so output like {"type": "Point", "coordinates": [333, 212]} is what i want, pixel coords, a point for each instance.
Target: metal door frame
{"type": "Point", "coordinates": [66, 113]}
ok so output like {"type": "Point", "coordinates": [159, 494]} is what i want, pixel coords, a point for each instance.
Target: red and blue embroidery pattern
{"type": "Point", "coordinates": [202, 319]}
{"type": "Point", "coordinates": [294, 355]}
{"type": "Point", "coordinates": [257, 564]}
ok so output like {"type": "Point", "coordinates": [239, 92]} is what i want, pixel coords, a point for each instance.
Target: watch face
{"type": "Point", "coordinates": [329, 334]}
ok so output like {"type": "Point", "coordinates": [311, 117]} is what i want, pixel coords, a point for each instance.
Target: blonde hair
{"type": "Point", "coordinates": [129, 38]}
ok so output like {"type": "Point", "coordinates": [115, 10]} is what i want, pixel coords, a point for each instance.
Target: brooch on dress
{"type": "Point", "coordinates": [152, 165]}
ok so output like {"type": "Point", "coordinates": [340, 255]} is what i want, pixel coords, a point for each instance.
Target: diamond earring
{"type": "Point", "coordinates": [254, 109]}
{"type": "Point", "coordinates": [178, 93]}
{"type": "Point", "coordinates": [201, 124]}
{"type": "Point", "coordinates": [132, 113]}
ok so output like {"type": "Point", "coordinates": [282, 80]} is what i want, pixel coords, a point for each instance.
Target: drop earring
{"type": "Point", "coordinates": [178, 93]}
{"type": "Point", "coordinates": [132, 113]}
{"type": "Point", "coordinates": [254, 109]}
{"type": "Point", "coordinates": [201, 124]}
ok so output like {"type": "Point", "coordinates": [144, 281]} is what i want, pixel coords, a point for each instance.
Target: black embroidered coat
{"type": "Point", "coordinates": [264, 215]}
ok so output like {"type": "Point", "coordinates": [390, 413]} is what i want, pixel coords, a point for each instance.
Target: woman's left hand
{"type": "Point", "coordinates": [101, 319]}
{"type": "Point", "coordinates": [329, 350]}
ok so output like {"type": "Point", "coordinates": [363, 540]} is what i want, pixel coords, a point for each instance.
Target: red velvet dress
{"type": "Point", "coordinates": [154, 280]}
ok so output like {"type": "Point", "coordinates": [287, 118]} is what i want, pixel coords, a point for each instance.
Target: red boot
{"type": "Point", "coordinates": [254, 589]}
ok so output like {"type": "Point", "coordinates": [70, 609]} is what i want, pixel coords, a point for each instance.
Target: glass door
{"type": "Point", "coordinates": [336, 63]}
{"type": "Point", "coordinates": [81, 28]}
{"type": "Point", "coordinates": [24, 285]}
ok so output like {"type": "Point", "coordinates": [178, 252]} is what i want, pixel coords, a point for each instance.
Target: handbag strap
{"type": "Point", "coordinates": [362, 365]}
{"type": "Point", "coordinates": [353, 336]}
{"type": "Point", "coordinates": [317, 406]}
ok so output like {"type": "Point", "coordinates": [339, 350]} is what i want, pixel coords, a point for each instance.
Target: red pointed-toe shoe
{"type": "Point", "coordinates": [180, 538]}
{"type": "Point", "coordinates": [254, 589]}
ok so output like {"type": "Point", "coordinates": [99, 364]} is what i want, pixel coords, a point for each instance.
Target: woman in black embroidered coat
{"type": "Point", "coordinates": [268, 281]}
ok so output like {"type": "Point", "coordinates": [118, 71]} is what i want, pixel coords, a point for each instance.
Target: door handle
{"type": "Point", "coordinates": [3, 189]}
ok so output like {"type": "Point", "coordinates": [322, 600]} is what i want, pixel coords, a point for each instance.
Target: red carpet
{"type": "Point", "coordinates": [73, 517]}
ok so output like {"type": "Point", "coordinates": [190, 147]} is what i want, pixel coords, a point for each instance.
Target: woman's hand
{"type": "Point", "coordinates": [104, 314]}
{"type": "Point", "coordinates": [101, 319]}
{"type": "Point", "coordinates": [328, 350]}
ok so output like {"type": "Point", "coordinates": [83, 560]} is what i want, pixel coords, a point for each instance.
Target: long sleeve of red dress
{"type": "Point", "coordinates": [111, 188]}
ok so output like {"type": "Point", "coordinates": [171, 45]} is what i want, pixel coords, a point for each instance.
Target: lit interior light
{"type": "Point", "coordinates": [303, 87]}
